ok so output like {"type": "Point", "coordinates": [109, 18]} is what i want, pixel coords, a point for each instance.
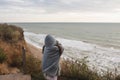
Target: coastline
{"type": "Point", "coordinates": [37, 53]}
{"type": "Point", "coordinates": [79, 70]}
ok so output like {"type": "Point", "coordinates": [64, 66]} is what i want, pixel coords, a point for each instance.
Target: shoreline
{"type": "Point", "coordinates": [36, 52]}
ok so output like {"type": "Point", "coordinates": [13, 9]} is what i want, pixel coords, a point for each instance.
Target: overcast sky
{"type": "Point", "coordinates": [59, 10]}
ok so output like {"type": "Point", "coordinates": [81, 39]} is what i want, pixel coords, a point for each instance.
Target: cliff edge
{"type": "Point", "coordinates": [11, 43]}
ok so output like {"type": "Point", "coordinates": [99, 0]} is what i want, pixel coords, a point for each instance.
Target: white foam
{"type": "Point", "coordinates": [98, 56]}
{"type": "Point", "coordinates": [34, 39]}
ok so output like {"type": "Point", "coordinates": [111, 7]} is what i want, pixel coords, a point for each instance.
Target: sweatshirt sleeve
{"type": "Point", "coordinates": [43, 49]}
{"type": "Point", "coordinates": [61, 49]}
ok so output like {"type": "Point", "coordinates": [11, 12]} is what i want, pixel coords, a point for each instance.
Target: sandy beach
{"type": "Point", "coordinates": [36, 52]}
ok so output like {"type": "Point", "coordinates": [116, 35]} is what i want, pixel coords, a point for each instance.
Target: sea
{"type": "Point", "coordinates": [97, 43]}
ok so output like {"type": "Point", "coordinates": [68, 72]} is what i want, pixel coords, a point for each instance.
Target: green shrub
{"type": "Point", "coordinates": [77, 70]}
{"type": "Point", "coordinates": [33, 67]}
{"type": "Point", "coordinates": [3, 56]}
{"type": "Point", "coordinates": [8, 34]}
{"type": "Point", "coordinates": [11, 33]}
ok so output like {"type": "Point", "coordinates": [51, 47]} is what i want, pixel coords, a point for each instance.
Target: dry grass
{"type": "Point", "coordinates": [33, 67]}
{"type": "Point", "coordinates": [10, 33]}
{"type": "Point", "coordinates": [11, 42]}
{"type": "Point", "coordinates": [78, 70]}
{"type": "Point", "coordinates": [4, 69]}
{"type": "Point", "coordinates": [71, 70]}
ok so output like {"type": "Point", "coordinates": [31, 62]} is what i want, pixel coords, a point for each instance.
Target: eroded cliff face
{"type": "Point", "coordinates": [11, 43]}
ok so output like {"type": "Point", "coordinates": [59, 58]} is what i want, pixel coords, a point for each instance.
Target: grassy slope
{"type": "Point", "coordinates": [11, 42]}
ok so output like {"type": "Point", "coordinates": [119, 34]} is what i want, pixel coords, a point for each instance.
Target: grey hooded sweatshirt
{"type": "Point", "coordinates": [51, 57]}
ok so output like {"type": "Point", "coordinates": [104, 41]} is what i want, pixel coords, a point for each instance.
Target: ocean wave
{"type": "Point", "coordinates": [100, 57]}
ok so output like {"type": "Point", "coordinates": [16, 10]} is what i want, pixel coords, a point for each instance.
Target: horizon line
{"type": "Point", "coordinates": [59, 22]}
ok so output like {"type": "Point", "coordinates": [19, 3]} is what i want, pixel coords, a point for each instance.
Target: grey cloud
{"type": "Point", "coordinates": [65, 5]}
{"type": "Point", "coordinates": [77, 5]}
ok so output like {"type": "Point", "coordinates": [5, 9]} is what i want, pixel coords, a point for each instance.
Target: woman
{"type": "Point", "coordinates": [52, 51]}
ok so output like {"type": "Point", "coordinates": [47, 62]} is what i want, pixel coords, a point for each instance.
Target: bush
{"type": "Point", "coordinates": [77, 70]}
{"type": "Point", "coordinates": [33, 67]}
{"type": "Point", "coordinates": [8, 34]}
{"type": "Point", "coordinates": [11, 33]}
{"type": "Point", "coordinates": [3, 56]}
{"type": "Point", "coordinates": [15, 36]}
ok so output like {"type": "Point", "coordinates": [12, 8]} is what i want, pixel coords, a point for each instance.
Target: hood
{"type": "Point", "coordinates": [49, 41]}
